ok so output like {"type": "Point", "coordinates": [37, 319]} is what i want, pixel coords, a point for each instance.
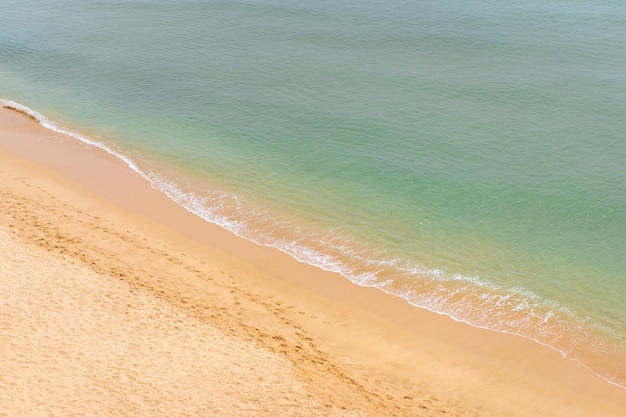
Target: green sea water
{"type": "Point", "coordinates": [467, 155]}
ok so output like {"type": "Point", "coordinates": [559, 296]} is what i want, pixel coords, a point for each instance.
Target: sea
{"type": "Point", "coordinates": [468, 156]}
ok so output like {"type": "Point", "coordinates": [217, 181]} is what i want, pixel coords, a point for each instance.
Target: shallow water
{"type": "Point", "coordinates": [467, 155]}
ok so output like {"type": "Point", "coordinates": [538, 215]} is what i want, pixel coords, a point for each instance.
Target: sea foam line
{"type": "Point", "coordinates": [47, 123]}
{"type": "Point", "coordinates": [437, 302]}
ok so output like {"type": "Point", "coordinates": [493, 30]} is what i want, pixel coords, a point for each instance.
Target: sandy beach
{"type": "Point", "coordinates": [117, 301]}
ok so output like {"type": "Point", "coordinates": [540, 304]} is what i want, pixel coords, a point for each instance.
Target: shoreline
{"type": "Point", "coordinates": [416, 355]}
{"type": "Point", "coordinates": [601, 363]}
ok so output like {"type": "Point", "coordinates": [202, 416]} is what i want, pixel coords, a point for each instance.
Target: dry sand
{"type": "Point", "coordinates": [116, 301]}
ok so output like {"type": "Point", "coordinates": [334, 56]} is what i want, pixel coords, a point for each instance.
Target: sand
{"type": "Point", "coordinates": [116, 301]}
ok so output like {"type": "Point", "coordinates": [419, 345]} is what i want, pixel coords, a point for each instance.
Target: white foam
{"type": "Point", "coordinates": [45, 122]}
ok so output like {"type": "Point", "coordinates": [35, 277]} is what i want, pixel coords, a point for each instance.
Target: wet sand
{"type": "Point", "coordinates": [117, 301]}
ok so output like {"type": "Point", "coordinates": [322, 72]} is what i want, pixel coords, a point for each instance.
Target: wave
{"type": "Point", "coordinates": [467, 299]}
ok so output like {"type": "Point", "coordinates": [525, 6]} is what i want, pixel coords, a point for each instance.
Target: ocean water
{"type": "Point", "coordinates": [467, 155]}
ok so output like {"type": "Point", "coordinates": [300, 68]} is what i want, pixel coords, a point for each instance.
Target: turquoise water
{"type": "Point", "coordinates": [468, 155]}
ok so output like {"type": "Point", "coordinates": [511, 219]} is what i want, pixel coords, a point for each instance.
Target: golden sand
{"type": "Point", "coordinates": [116, 301]}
